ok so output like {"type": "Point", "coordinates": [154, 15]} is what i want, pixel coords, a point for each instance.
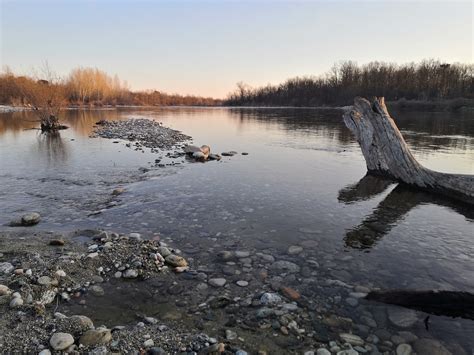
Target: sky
{"type": "Point", "coordinates": [206, 47]}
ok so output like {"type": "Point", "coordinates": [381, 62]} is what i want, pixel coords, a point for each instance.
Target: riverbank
{"type": "Point", "coordinates": [98, 291]}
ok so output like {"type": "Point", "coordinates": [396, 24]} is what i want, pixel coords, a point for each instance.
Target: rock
{"type": "Point", "coordinates": [290, 293]}
{"type": "Point", "coordinates": [4, 290]}
{"type": "Point", "coordinates": [97, 291]}
{"type": "Point", "coordinates": [217, 282]}
{"type": "Point", "coordinates": [225, 255]}
{"type": "Point", "coordinates": [404, 349]}
{"type": "Point", "coordinates": [427, 346]}
{"type": "Point", "coordinates": [295, 249]}
{"type": "Point", "coordinates": [191, 149]}
{"type": "Point", "coordinates": [269, 299]}
{"type": "Point", "coordinates": [130, 274]}
{"type": "Point", "coordinates": [45, 352]}
{"type": "Point", "coordinates": [47, 297]}
{"type": "Point", "coordinates": [214, 157]}
{"type": "Point", "coordinates": [284, 265]}
{"type": "Point", "coordinates": [164, 251]}
{"type": "Point", "coordinates": [16, 302]}
{"type": "Point", "coordinates": [241, 352]}
{"type": "Point", "coordinates": [6, 268]}
{"type": "Point", "coordinates": [61, 341]}
{"type": "Point", "coordinates": [205, 149]}
{"type": "Point", "coordinates": [240, 254]}
{"type": "Point", "coordinates": [30, 219]}
{"type": "Point", "coordinates": [402, 317]}
{"type": "Point", "coordinates": [176, 260]}
{"type": "Point", "coordinates": [322, 351]}
{"type": "Point", "coordinates": [75, 324]}
{"type": "Point", "coordinates": [230, 334]}
{"type": "Point", "coordinates": [352, 301]}
{"type": "Point", "coordinates": [57, 242]}
{"type": "Point", "coordinates": [44, 281]}
{"type": "Point", "coordinates": [199, 156]}
{"type": "Point", "coordinates": [156, 351]}
{"type": "Point", "coordinates": [136, 236]}
{"type": "Point", "coordinates": [95, 337]}
{"type": "Point", "coordinates": [148, 343]}
{"type": "Point", "coordinates": [118, 275]}
{"type": "Point", "coordinates": [60, 273]}
{"type": "Point", "coordinates": [351, 339]}
{"type": "Point", "coordinates": [264, 312]}
{"type": "Point", "coordinates": [228, 154]}
{"type": "Point", "coordinates": [118, 191]}
{"type": "Point", "coordinates": [242, 283]}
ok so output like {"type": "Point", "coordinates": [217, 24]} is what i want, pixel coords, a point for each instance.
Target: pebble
{"type": "Point", "coordinates": [118, 275]}
{"type": "Point", "coordinates": [135, 236]}
{"type": "Point", "coordinates": [130, 274]}
{"type": "Point", "coordinates": [61, 341]}
{"type": "Point", "coordinates": [6, 268]}
{"type": "Point", "coordinates": [60, 273]}
{"type": "Point", "coordinates": [295, 249]}
{"type": "Point", "coordinates": [148, 343]}
{"type": "Point", "coordinates": [404, 349]}
{"type": "Point", "coordinates": [4, 290]}
{"type": "Point", "coordinates": [97, 291]}
{"type": "Point", "coordinates": [95, 337]}
{"type": "Point", "coordinates": [164, 251]}
{"type": "Point", "coordinates": [230, 334]}
{"type": "Point", "coordinates": [176, 260]}
{"type": "Point", "coordinates": [242, 283]}
{"type": "Point", "coordinates": [44, 281]}
{"type": "Point", "coordinates": [217, 282]}
{"type": "Point", "coordinates": [402, 317]}
{"type": "Point", "coordinates": [240, 254]}
{"type": "Point", "coordinates": [45, 352]}
{"type": "Point", "coordinates": [322, 351]}
{"type": "Point", "coordinates": [269, 298]}
{"type": "Point", "coordinates": [16, 302]}
{"type": "Point", "coordinates": [351, 339]}
{"type": "Point", "coordinates": [286, 266]}
{"type": "Point", "coordinates": [30, 219]}
{"type": "Point", "coordinates": [290, 293]}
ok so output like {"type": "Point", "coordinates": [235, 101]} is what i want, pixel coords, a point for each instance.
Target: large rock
{"type": "Point", "coordinates": [269, 299]}
{"type": "Point", "coordinates": [61, 341]}
{"type": "Point", "coordinates": [30, 219]}
{"type": "Point", "coordinates": [96, 337]}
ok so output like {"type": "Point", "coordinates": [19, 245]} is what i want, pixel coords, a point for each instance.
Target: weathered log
{"type": "Point", "coordinates": [386, 152]}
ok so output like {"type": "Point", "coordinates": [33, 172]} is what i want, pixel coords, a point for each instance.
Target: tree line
{"type": "Point", "coordinates": [429, 80]}
{"type": "Point", "coordinates": [83, 87]}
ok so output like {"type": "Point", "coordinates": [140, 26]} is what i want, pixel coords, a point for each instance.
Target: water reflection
{"type": "Point", "coordinates": [393, 208]}
{"type": "Point", "coordinates": [51, 146]}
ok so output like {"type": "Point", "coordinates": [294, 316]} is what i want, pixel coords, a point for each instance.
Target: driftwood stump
{"type": "Point", "coordinates": [386, 152]}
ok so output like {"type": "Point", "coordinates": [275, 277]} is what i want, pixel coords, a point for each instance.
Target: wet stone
{"type": "Point", "coordinates": [402, 317]}
{"type": "Point", "coordinates": [217, 282]}
{"type": "Point", "coordinates": [61, 341]}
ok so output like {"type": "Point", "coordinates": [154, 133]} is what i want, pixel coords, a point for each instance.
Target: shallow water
{"type": "Point", "coordinates": [302, 183]}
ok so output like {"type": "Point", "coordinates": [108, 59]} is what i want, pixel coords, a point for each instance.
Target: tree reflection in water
{"type": "Point", "coordinates": [394, 207]}
{"type": "Point", "coordinates": [53, 147]}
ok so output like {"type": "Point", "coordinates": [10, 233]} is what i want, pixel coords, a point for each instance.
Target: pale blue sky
{"type": "Point", "coordinates": [206, 47]}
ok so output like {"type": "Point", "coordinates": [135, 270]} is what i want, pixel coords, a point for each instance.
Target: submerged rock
{"type": "Point", "coordinates": [27, 220]}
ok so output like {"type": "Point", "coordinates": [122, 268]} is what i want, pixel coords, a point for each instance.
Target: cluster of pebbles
{"type": "Point", "coordinates": [142, 132]}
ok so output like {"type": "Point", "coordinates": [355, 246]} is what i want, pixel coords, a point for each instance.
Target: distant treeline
{"type": "Point", "coordinates": [87, 87]}
{"type": "Point", "coordinates": [428, 80]}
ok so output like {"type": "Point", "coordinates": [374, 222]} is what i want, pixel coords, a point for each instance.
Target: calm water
{"type": "Point", "coordinates": [303, 180]}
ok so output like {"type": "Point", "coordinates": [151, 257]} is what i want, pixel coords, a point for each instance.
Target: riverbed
{"type": "Point", "coordinates": [300, 196]}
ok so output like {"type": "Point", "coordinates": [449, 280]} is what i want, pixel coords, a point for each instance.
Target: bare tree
{"type": "Point", "coordinates": [45, 94]}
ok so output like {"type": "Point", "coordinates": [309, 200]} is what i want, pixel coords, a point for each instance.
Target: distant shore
{"type": "Point", "coordinates": [457, 104]}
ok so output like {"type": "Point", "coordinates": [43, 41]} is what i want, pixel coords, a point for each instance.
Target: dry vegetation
{"type": "Point", "coordinates": [426, 81]}
{"type": "Point", "coordinates": [83, 87]}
